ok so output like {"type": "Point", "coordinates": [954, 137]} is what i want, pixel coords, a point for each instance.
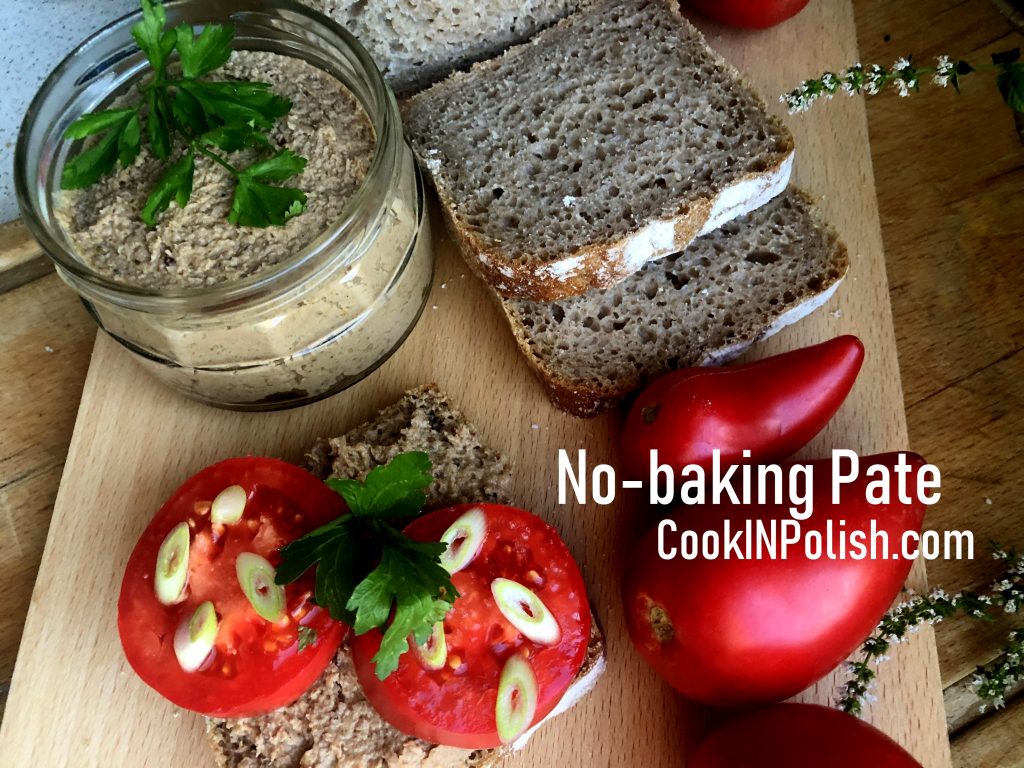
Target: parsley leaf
{"type": "Point", "coordinates": [189, 114]}
{"type": "Point", "coordinates": [158, 124]}
{"type": "Point", "coordinates": [1011, 85]}
{"type": "Point", "coordinates": [176, 185]}
{"type": "Point", "coordinates": [88, 166]}
{"type": "Point", "coordinates": [95, 122]}
{"type": "Point", "coordinates": [392, 490]}
{"type": "Point", "coordinates": [239, 103]}
{"type": "Point", "coordinates": [261, 205]}
{"type": "Point", "coordinates": [410, 578]}
{"type": "Point", "coordinates": [120, 140]}
{"type": "Point", "coordinates": [232, 138]}
{"type": "Point", "coordinates": [203, 54]}
{"type": "Point", "coordinates": [368, 573]}
{"type": "Point", "coordinates": [150, 36]}
{"type": "Point", "coordinates": [129, 142]}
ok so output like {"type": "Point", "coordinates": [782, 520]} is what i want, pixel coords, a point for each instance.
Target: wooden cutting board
{"type": "Point", "coordinates": [75, 702]}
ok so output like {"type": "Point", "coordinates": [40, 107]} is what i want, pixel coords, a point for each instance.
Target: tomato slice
{"type": "Point", "coordinates": [455, 705]}
{"type": "Point", "coordinates": [255, 665]}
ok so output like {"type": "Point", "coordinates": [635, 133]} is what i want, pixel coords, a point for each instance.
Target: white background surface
{"type": "Point", "coordinates": [34, 36]}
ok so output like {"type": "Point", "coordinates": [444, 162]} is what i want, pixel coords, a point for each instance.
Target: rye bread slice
{"type": "Point", "coordinates": [704, 306]}
{"type": "Point", "coordinates": [415, 44]}
{"type": "Point", "coordinates": [613, 138]}
{"type": "Point", "coordinates": [332, 725]}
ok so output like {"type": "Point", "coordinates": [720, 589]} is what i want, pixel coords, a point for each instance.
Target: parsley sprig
{"type": "Point", "coordinates": [204, 117]}
{"type": "Point", "coordinates": [368, 573]}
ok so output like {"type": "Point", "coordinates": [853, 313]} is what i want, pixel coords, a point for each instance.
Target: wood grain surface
{"type": "Point", "coordinates": [46, 339]}
{"type": "Point", "coordinates": [950, 170]}
{"type": "Point", "coordinates": [21, 258]}
{"type": "Point", "coordinates": [134, 442]}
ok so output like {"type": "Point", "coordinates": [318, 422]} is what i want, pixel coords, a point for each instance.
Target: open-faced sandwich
{"type": "Point", "coordinates": [398, 614]}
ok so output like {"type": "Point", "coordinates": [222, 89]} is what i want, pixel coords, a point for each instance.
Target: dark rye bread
{"type": "Point", "coordinates": [418, 42]}
{"type": "Point", "coordinates": [741, 283]}
{"type": "Point", "coordinates": [611, 139]}
{"type": "Point", "coordinates": [332, 725]}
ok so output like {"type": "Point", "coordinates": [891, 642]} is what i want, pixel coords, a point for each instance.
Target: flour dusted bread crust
{"type": "Point", "coordinates": [611, 139]}
{"type": "Point", "coordinates": [416, 43]}
{"type": "Point", "coordinates": [332, 725]}
{"type": "Point", "coordinates": [703, 306]}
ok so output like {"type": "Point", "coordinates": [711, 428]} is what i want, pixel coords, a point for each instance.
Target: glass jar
{"type": "Point", "coordinates": [291, 333]}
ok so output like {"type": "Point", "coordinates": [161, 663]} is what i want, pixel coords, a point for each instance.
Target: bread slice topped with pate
{"type": "Point", "coordinates": [612, 139]}
{"type": "Point", "coordinates": [334, 724]}
{"type": "Point", "coordinates": [703, 306]}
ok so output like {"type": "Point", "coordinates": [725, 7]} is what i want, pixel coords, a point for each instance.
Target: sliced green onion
{"type": "Point", "coordinates": [526, 612]}
{"type": "Point", "coordinates": [193, 641]}
{"type": "Point", "coordinates": [432, 654]}
{"type": "Point", "coordinates": [256, 577]}
{"type": "Point", "coordinates": [517, 699]}
{"type": "Point", "coordinates": [464, 538]}
{"type": "Point", "coordinates": [229, 505]}
{"type": "Point", "coordinates": [172, 566]}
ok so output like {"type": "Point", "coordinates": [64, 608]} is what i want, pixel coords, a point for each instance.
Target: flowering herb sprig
{"type": "Point", "coordinates": [906, 77]}
{"type": "Point", "coordinates": [991, 682]}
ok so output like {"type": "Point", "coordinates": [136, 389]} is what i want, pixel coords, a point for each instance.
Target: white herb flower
{"type": "Point", "coordinates": [943, 71]}
{"type": "Point", "coordinates": [852, 79]}
{"type": "Point", "coordinates": [875, 79]}
{"type": "Point", "coordinates": [901, 64]}
{"type": "Point", "coordinates": [830, 83]}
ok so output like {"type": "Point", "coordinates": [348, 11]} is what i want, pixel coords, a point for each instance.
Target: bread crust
{"type": "Point", "coordinates": [603, 263]}
{"type": "Point", "coordinates": [587, 399]}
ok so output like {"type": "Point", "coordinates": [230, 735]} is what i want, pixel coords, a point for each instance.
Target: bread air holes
{"type": "Point", "coordinates": [646, 96]}
{"type": "Point", "coordinates": [678, 281]}
{"type": "Point", "coordinates": [497, 192]}
{"type": "Point", "coordinates": [762, 257]}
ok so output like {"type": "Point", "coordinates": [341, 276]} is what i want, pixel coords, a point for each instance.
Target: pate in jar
{"type": "Point", "coordinates": [236, 316]}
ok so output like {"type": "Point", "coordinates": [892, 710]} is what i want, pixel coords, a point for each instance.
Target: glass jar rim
{"type": "Point", "coordinates": [294, 270]}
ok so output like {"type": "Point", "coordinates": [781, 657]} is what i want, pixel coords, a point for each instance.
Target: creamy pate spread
{"type": "Point", "coordinates": [285, 348]}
